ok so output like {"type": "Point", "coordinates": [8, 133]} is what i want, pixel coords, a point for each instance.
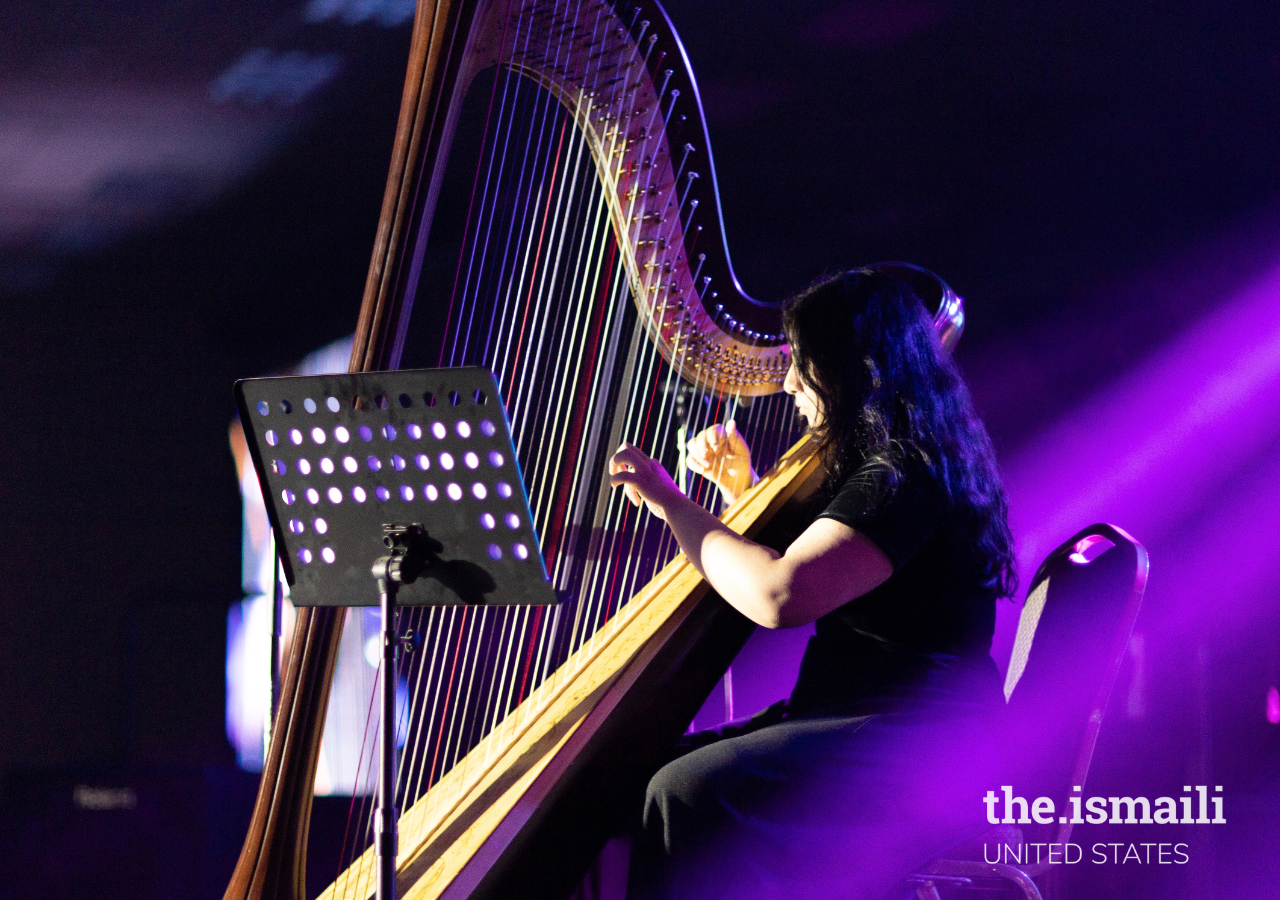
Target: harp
{"type": "Point", "coordinates": [572, 242]}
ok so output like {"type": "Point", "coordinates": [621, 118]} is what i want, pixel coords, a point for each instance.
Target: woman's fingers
{"type": "Point", "coordinates": [706, 446]}
{"type": "Point", "coordinates": [642, 479]}
{"type": "Point", "coordinates": [626, 479]}
{"type": "Point", "coordinates": [732, 437]}
{"type": "Point", "coordinates": [716, 448]}
{"type": "Point", "coordinates": [630, 468]}
{"type": "Point", "coordinates": [628, 456]}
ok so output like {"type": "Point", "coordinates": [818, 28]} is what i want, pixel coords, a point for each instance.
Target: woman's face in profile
{"type": "Point", "coordinates": [806, 400]}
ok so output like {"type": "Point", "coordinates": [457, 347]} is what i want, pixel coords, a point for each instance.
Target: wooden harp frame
{"type": "Point", "coordinates": [528, 824]}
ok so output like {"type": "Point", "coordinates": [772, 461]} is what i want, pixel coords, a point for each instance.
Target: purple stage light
{"type": "Point", "coordinates": [1166, 448]}
{"type": "Point", "coordinates": [1153, 445]}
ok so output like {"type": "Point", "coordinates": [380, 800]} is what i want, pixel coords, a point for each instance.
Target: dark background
{"type": "Point", "coordinates": [169, 224]}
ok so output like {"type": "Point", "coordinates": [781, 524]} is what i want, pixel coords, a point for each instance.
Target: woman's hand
{"type": "Point", "coordinates": [720, 455]}
{"type": "Point", "coordinates": [643, 480]}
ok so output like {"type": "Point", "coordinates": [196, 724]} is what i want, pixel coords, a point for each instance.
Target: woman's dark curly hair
{"type": "Point", "coordinates": [892, 398]}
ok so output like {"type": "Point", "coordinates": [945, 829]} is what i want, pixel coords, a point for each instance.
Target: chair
{"type": "Point", "coordinates": [1081, 606]}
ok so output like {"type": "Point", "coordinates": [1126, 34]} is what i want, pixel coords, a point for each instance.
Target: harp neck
{"type": "Point", "coordinates": [625, 79]}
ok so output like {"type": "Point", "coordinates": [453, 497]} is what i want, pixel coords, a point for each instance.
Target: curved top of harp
{"type": "Point", "coordinates": [626, 80]}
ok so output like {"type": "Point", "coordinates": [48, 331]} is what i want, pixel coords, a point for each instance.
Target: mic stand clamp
{"type": "Point", "coordinates": [408, 559]}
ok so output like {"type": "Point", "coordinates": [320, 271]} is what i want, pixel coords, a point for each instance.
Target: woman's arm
{"type": "Point", "coordinates": [826, 567]}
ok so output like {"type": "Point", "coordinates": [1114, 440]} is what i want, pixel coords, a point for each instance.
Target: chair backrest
{"type": "Point", "coordinates": [1080, 609]}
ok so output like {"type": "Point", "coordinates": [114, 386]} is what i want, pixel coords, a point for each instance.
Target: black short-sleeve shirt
{"type": "Point", "coordinates": [939, 604]}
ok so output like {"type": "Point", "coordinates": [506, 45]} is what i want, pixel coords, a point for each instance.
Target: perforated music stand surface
{"type": "Point", "coordinates": [339, 456]}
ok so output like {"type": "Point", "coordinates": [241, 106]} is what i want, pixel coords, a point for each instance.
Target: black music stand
{"type": "Point", "coordinates": [410, 476]}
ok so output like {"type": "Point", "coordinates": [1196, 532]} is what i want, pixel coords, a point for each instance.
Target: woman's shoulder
{"type": "Point", "coordinates": [898, 478]}
{"type": "Point", "coordinates": [898, 508]}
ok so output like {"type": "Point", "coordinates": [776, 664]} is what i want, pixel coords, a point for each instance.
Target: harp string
{"type": "Point", "coordinates": [559, 225]}
{"type": "Point", "coordinates": [524, 680]}
{"type": "Point", "coordinates": [413, 768]}
{"type": "Point", "coordinates": [459, 342]}
{"type": "Point", "coordinates": [540, 278]}
{"type": "Point", "coordinates": [357, 798]}
{"type": "Point", "coordinates": [514, 644]}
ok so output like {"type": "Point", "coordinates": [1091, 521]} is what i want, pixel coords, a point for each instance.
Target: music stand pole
{"type": "Point", "coordinates": [407, 559]}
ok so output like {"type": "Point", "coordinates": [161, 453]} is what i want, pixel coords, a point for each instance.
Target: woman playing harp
{"type": "Point", "coordinates": [875, 763]}
{"type": "Point", "coordinates": [580, 256]}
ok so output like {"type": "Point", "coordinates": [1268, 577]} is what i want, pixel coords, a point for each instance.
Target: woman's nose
{"type": "Point", "coordinates": [790, 383]}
